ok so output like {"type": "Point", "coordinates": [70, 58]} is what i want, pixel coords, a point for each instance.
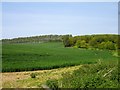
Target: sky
{"type": "Point", "coordinates": [24, 19]}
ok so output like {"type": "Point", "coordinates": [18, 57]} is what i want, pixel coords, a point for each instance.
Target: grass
{"type": "Point", "coordinates": [24, 80]}
{"type": "Point", "coordinates": [42, 56]}
{"type": "Point", "coordinates": [99, 75]}
{"type": "Point", "coordinates": [96, 68]}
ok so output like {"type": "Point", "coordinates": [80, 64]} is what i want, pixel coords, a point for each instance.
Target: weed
{"type": "Point", "coordinates": [33, 75]}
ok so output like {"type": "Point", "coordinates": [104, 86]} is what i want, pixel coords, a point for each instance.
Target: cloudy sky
{"type": "Point", "coordinates": [21, 19]}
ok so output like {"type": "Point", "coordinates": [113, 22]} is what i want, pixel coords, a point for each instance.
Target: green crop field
{"type": "Point", "coordinates": [41, 56]}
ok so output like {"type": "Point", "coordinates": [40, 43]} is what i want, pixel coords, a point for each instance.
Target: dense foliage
{"type": "Point", "coordinates": [102, 41]}
{"type": "Point", "coordinates": [105, 41]}
{"type": "Point", "coordinates": [36, 56]}
{"type": "Point", "coordinates": [100, 75]}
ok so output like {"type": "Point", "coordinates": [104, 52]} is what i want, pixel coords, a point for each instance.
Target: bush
{"type": "Point", "coordinates": [81, 44]}
{"type": "Point", "coordinates": [33, 75]}
{"type": "Point", "coordinates": [53, 83]}
{"type": "Point", "coordinates": [100, 75]}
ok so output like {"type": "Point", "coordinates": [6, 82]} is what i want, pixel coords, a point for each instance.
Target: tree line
{"type": "Point", "coordinates": [34, 39]}
{"type": "Point", "coordinates": [102, 41]}
{"type": "Point", "coordinates": [99, 41]}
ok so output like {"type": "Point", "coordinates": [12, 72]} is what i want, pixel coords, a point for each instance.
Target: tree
{"type": "Point", "coordinates": [93, 42]}
{"type": "Point", "coordinates": [78, 43]}
{"type": "Point", "coordinates": [102, 45]}
{"type": "Point", "coordinates": [110, 45]}
{"type": "Point", "coordinates": [66, 40]}
{"type": "Point", "coordinates": [107, 45]}
{"type": "Point", "coordinates": [72, 41]}
{"type": "Point", "coordinates": [81, 44]}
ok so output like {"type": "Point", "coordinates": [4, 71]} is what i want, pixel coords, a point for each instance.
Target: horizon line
{"type": "Point", "coordinates": [61, 34]}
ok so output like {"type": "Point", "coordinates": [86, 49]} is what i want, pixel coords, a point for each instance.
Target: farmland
{"type": "Point", "coordinates": [53, 64]}
{"type": "Point", "coordinates": [42, 56]}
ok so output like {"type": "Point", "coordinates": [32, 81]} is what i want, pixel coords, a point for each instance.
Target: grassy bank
{"type": "Point", "coordinates": [100, 75]}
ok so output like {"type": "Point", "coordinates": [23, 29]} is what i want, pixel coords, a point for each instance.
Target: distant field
{"type": "Point", "coordinates": [41, 56]}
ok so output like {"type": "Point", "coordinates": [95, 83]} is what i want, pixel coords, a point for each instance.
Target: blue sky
{"type": "Point", "coordinates": [23, 19]}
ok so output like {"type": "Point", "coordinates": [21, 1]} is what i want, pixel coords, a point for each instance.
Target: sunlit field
{"type": "Point", "coordinates": [42, 56]}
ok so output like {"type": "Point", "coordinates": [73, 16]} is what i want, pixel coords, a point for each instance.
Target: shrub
{"type": "Point", "coordinates": [100, 75]}
{"type": "Point", "coordinates": [33, 75]}
{"type": "Point", "coordinates": [81, 44]}
{"type": "Point", "coordinates": [53, 83]}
